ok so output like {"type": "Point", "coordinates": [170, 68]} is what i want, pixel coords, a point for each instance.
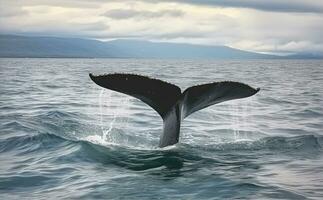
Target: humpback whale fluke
{"type": "Point", "coordinates": [168, 100]}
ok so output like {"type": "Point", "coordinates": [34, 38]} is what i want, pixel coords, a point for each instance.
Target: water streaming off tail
{"type": "Point", "coordinates": [241, 119]}
{"type": "Point", "coordinates": [113, 116]}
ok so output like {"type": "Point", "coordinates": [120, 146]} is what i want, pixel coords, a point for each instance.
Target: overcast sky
{"type": "Point", "coordinates": [272, 26]}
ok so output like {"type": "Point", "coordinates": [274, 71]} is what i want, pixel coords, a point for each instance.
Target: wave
{"type": "Point", "coordinates": [277, 143]}
{"type": "Point", "coordinates": [53, 127]}
{"type": "Point", "coordinates": [28, 143]}
{"type": "Point", "coordinates": [61, 137]}
{"type": "Point", "coordinates": [63, 150]}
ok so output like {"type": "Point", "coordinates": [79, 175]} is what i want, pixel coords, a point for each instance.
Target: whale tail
{"type": "Point", "coordinates": [201, 96]}
{"type": "Point", "coordinates": [159, 95]}
{"type": "Point", "coordinates": [169, 102]}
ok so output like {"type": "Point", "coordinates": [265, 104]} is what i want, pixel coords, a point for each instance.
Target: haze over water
{"type": "Point", "coordinates": [63, 137]}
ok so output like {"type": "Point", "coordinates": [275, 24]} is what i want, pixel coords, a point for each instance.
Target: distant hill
{"type": "Point", "coordinates": [43, 47]}
{"type": "Point", "coordinates": [144, 49]}
{"type": "Point", "coordinates": [54, 47]}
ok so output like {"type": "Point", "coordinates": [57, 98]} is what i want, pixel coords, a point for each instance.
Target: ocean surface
{"type": "Point", "coordinates": [63, 137]}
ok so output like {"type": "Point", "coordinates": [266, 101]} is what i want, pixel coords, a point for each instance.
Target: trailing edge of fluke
{"type": "Point", "coordinates": [168, 100]}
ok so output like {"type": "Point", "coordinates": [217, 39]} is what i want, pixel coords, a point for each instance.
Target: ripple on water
{"type": "Point", "coordinates": [62, 137]}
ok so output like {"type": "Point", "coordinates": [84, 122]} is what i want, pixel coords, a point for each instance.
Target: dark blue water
{"type": "Point", "coordinates": [63, 137]}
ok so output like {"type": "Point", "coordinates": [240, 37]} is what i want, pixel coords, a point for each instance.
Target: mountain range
{"type": "Point", "coordinates": [16, 46]}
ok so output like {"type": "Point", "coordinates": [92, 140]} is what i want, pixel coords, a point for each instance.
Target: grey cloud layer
{"type": "Point", "coordinates": [269, 26]}
{"type": "Point", "coordinates": [310, 6]}
{"type": "Point", "coordinates": [129, 13]}
{"type": "Point", "coordinates": [307, 6]}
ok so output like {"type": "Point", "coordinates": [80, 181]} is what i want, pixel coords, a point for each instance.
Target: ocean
{"type": "Point", "coordinates": [64, 137]}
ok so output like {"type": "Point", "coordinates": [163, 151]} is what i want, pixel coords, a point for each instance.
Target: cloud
{"type": "Point", "coordinates": [58, 3]}
{"type": "Point", "coordinates": [141, 14]}
{"type": "Point", "coordinates": [9, 10]}
{"type": "Point", "coordinates": [261, 26]}
{"type": "Point", "coordinates": [307, 6]}
{"type": "Point", "coordinates": [94, 26]}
